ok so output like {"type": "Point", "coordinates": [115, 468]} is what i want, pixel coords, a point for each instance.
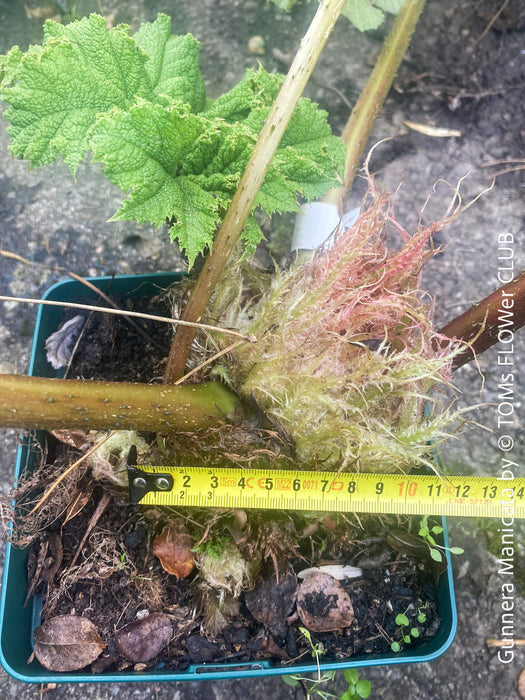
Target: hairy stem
{"type": "Point", "coordinates": [493, 319]}
{"type": "Point", "coordinates": [359, 126]}
{"type": "Point", "coordinates": [38, 402]}
{"type": "Point", "coordinates": [251, 181]}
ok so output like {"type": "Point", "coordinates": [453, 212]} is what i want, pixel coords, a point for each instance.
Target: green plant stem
{"type": "Point", "coordinates": [38, 402]}
{"type": "Point", "coordinates": [361, 121]}
{"type": "Point", "coordinates": [251, 181]}
{"type": "Point", "coordinates": [480, 325]}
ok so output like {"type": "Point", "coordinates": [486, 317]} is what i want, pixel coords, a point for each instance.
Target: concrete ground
{"type": "Point", "coordinates": [47, 218]}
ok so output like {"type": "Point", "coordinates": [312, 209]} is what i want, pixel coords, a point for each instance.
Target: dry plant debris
{"type": "Point", "coordinates": [143, 639]}
{"type": "Point", "coordinates": [272, 599]}
{"type": "Point", "coordinates": [173, 547]}
{"type": "Point", "coordinates": [67, 643]}
{"type": "Point", "coordinates": [323, 605]}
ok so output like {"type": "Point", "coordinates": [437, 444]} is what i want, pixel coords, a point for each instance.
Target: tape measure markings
{"type": "Point", "coordinates": [472, 496]}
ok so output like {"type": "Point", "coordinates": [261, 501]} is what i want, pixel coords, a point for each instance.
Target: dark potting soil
{"type": "Point", "coordinates": [391, 583]}
{"type": "Point", "coordinates": [118, 348]}
{"type": "Point", "coordinates": [117, 579]}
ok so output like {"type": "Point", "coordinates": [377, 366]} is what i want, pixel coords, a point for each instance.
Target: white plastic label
{"type": "Point", "coordinates": [316, 222]}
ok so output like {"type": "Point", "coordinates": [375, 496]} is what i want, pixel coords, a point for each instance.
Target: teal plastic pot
{"type": "Point", "coordinates": [18, 623]}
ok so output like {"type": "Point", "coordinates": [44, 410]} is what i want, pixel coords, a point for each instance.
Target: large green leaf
{"type": "Point", "coordinates": [392, 6]}
{"type": "Point", "coordinates": [145, 151]}
{"type": "Point", "coordinates": [138, 104]}
{"type": "Point", "coordinates": [108, 57]}
{"type": "Point", "coordinates": [9, 66]}
{"type": "Point", "coordinates": [369, 14]}
{"type": "Point", "coordinates": [250, 100]}
{"type": "Point", "coordinates": [81, 70]}
{"type": "Point", "coordinates": [363, 14]}
{"type": "Point", "coordinates": [166, 157]}
{"type": "Point", "coordinates": [306, 159]}
{"type": "Point", "coordinates": [173, 62]}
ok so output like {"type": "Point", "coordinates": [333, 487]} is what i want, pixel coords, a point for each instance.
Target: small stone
{"type": "Point", "coordinates": [256, 45]}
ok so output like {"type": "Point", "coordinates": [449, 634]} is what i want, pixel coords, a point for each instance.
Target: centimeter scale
{"type": "Point", "coordinates": [470, 496]}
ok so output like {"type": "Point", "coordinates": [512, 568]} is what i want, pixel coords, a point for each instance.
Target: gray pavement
{"type": "Point", "coordinates": [47, 218]}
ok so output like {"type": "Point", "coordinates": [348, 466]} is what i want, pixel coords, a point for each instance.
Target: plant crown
{"type": "Point", "coordinates": [138, 105]}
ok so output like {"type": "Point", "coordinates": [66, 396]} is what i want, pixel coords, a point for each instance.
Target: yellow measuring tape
{"type": "Point", "coordinates": [470, 496]}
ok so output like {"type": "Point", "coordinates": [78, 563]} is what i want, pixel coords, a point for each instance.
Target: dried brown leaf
{"type": "Point", "coordinates": [67, 643]}
{"type": "Point", "coordinates": [60, 345]}
{"type": "Point", "coordinates": [43, 561]}
{"type": "Point", "coordinates": [271, 601]}
{"type": "Point", "coordinates": [143, 639]}
{"type": "Point", "coordinates": [73, 438]}
{"type": "Point", "coordinates": [434, 131]}
{"type": "Point", "coordinates": [53, 557]}
{"type": "Point", "coordinates": [173, 548]}
{"type": "Point", "coordinates": [271, 650]}
{"type": "Point", "coordinates": [219, 608]}
{"type": "Point", "coordinates": [35, 565]}
{"type": "Point", "coordinates": [323, 605]}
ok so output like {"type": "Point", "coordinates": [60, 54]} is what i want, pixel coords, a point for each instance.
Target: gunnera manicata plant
{"type": "Point", "coordinates": [347, 361]}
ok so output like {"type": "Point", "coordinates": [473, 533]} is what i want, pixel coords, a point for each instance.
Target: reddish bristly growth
{"type": "Point", "coordinates": [347, 356]}
{"type": "Point", "coordinates": [373, 293]}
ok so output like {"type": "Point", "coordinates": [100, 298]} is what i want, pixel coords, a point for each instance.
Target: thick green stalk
{"type": "Point", "coordinates": [361, 121]}
{"type": "Point", "coordinates": [251, 181]}
{"type": "Point", "coordinates": [38, 402]}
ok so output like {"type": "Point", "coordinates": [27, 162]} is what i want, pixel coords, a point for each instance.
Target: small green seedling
{"type": "Point", "coordinates": [357, 687]}
{"type": "Point", "coordinates": [317, 648]}
{"type": "Point", "coordinates": [312, 687]}
{"type": "Point", "coordinates": [407, 635]}
{"type": "Point", "coordinates": [123, 563]}
{"type": "Point", "coordinates": [408, 632]}
{"type": "Point", "coordinates": [427, 533]}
